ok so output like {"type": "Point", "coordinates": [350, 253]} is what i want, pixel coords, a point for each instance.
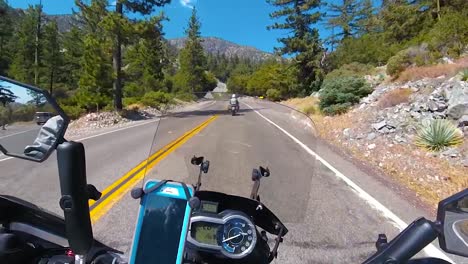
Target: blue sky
{"type": "Point", "coordinates": [240, 21]}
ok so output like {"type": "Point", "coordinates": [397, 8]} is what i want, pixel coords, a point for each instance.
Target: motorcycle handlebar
{"type": "Point", "coordinates": [408, 243]}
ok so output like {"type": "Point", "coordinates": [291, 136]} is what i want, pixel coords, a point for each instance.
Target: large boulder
{"type": "Point", "coordinates": [457, 100]}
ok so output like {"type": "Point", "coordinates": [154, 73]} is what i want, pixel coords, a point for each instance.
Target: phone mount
{"type": "Point", "coordinates": [257, 175]}
{"type": "Point", "coordinates": [139, 192]}
{"type": "Point", "coordinates": [75, 196]}
{"type": "Point", "coordinates": [204, 167]}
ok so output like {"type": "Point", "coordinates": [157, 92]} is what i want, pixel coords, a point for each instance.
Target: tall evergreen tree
{"type": "Point", "coordinates": [6, 30]}
{"type": "Point", "coordinates": [367, 21]}
{"type": "Point", "coordinates": [304, 42]}
{"type": "Point", "coordinates": [52, 57]}
{"type": "Point", "coordinates": [23, 64]}
{"type": "Point", "coordinates": [192, 59]}
{"type": "Point", "coordinates": [143, 7]}
{"type": "Point", "coordinates": [72, 47]}
{"type": "Point", "coordinates": [344, 16]}
{"type": "Point", "coordinates": [147, 59]}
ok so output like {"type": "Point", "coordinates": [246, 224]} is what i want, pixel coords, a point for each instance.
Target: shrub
{"type": "Point", "coordinates": [395, 97]}
{"type": "Point", "coordinates": [309, 110]}
{"type": "Point", "coordinates": [353, 69]}
{"type": "Point", "coordinates": [157, 99]}
{"type": "Point", "coordinates": [449, 35]}
{"type": "Point", "coordinates": [187, 97]}
{"type": "Point", "coordinates": [437, 134]}
{"type": "Point", "coordinates": [131, 100]}
{"type": "Point", "coordinates": [73, 111]}
{"type": "Point", "coordinates": [273, 94]}
{"type": "Point", "coordinates": [398, 63]}
{"type": "Point", "coordinates": [337, 95]}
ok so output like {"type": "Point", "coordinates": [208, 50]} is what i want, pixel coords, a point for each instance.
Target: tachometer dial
{"type": "Point", "coordinates": [239, 237]}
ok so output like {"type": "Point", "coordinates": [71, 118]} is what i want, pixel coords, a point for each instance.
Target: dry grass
{"type": "Point", "coordinates": [433, 71]}
{"type": "Point", "coordinates": [394, 97]}
{"type": "Point", "coordinates": [308, 105]}
{"type": "Point", "coordinates": [134, 107]}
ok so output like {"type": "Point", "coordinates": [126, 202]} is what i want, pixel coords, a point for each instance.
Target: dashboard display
{"type": "Point", "coordinates": [206, 233]}
{"type": "Point", "coordinates": [209, 207]}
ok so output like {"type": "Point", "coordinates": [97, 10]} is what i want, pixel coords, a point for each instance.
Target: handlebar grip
{"type": "Point", "coordinates": [408, 243]}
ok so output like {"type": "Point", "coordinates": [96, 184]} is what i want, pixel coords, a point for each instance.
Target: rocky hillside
{"type": "Point", "coordinates": [229, 49]}
{"type": "Point", "coordinates": [381, 132]}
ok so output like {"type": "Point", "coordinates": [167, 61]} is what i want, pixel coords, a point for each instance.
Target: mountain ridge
{"type": "Point", "coordinates": [215, 45]}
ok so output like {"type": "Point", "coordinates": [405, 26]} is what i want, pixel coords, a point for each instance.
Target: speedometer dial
{"type": "Point", "coordinates": [239, 237]}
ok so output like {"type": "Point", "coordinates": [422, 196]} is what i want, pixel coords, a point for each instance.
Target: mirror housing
{"type": "Point", "coordinates": [37, 105]}
{"type": "Point", "coordinates": [452, 216]}
{"type": "Point", "coordinates": [197, 160]}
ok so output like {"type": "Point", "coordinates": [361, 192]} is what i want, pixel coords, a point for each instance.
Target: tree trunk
{"type": "Point", "coordinates": [117, 62]}
{"type": "Point", "coordinates": [51, 84]}
{"type": "Point", "coordinates": [438, 9]}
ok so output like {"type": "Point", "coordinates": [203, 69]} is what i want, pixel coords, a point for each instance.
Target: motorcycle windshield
{"type": "Point", "coordinates": [235, 141]}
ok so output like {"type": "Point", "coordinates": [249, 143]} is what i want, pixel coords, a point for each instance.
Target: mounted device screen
{"type": "Point", "coordinates": [161, 230]}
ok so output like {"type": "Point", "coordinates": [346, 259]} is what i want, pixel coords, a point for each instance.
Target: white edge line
{"type": "Point", "coordinates": [430, 249]}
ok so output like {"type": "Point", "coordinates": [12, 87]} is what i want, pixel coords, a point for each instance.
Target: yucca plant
{"type": "Point", "coordinates": [437, 134]}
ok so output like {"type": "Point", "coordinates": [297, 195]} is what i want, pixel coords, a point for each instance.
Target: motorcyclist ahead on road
{"type": "Point", "coordinates": [234, 101]}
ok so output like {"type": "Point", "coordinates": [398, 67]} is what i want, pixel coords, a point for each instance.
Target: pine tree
{"type": "Point", "coordinates": [23, 65]}
{"type": "Point", "coordinates": [52, 57]}
{"type": "Point", "coordinates": [192, 59]}
{"type": "Point", "coordinates": [147, 59]}
{"type": "Point", "coordinates": [6, 30]}
{"type": "Point", "coordinates": [304, 42]}
{"type": "Point", "coordinates": [72, 47]}
{"type": "Point", "coordinates": [143, 7]}
{"type": "Point", "coordinates": [344, 16]}
{"type": "Point", "coordinates": [366, 20]}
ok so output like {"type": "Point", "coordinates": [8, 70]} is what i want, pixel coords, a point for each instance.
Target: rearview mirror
{"type": "Point", "coordinates": [197, 160]}
{"type": "Point", "coordinates": [31, 122]}
{"type": "Point", "coordinates": [452, 214]}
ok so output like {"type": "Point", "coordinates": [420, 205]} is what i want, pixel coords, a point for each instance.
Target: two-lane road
{"type": "Point", "coordinates": [323, 200]}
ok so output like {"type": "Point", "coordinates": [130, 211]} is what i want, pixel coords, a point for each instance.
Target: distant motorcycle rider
{"type": "Point", "coordinates": [234, 101]}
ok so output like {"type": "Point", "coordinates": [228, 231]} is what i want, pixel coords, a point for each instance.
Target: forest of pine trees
{"type": "Point", "coordinates": [107, 60]}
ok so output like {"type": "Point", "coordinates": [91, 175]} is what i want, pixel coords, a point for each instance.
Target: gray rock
{"type": "Point", "coordinates": [379, 125]}
{"type": "Point", "coordinates": [451, 152]}
{"type": "Point", "coordinates": [400, 139]}
{"type": "Point", "coordinates": [465, 162]}
{"type": "Point", "coordinates": [463, 121]}
{"type": "Point", "coordinates": [458, 100]}
{"type": "Point", "coordinates": [347, 132]}
{"type": "Point", "coordinates": [415, 115]}
{"type": "Point", "coordinates": [371, 136]}
{"type": "Point", "coordinates": [360, 136]}
{"type": "Point", "coordinates": [433, 106]}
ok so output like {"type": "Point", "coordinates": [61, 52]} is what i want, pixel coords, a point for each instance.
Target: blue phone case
{"type": "Point", "coordinates": [159, 238]}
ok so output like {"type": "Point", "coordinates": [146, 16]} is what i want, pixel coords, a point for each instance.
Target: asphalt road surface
{"type": "Point", "coordinates": [16, 137]}
{"type": "Point", "coordinates": [333, 210]}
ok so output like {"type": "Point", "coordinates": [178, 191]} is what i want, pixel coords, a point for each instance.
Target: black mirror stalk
{"type": "Point", "coordinates": [75, 194]}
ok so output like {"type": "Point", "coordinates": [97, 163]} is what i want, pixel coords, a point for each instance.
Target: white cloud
{"type": "Point", "coordinates": [188, 3]}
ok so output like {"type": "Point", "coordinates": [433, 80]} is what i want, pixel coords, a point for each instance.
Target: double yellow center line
{"type": "Point", "coordinates": [119, 188]}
